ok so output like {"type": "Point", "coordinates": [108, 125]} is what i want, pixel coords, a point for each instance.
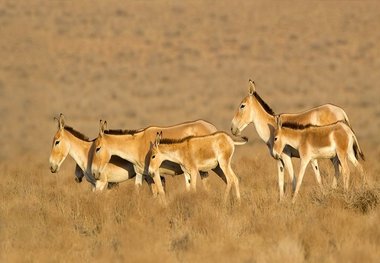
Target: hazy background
{"type": "Point", "coordinates": [140, 63]}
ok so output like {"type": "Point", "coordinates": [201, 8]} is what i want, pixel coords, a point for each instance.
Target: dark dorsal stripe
{"type": "Point", "coordinates": [264, 104]}
{"type": "Point", "coordinates": [298, 126]}
{"type": "Point", "coordinates": [121, 132]}
{"type": "Point", "coordinates": [77, 134]}
{"type": "Point", "coordinates": [174, 141]}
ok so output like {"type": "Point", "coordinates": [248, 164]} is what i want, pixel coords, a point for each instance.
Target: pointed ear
{"type": "Point", "coordinates": [252, 87]}
{"type": "Point", "coordinates": [101, 128]}
{"type": "Point", "coordinates": [61, 121]}
{"type": "Point", "coordinates": [158, 138]}
{"type": "Point", "coordinates": [278, 121]}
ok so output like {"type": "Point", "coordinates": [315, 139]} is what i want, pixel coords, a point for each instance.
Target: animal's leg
{"type": "Point", "coordinates": [187, 181]}
{"type": "Point", "coordinates": [78, 174]}
{"type": "Point", "coordinates": [303, 166]}
{"type": "Point", "coordinates": [160, 189]}
{"type": "Point", "coordinates": [314, 164]}
{"type": "Point", "coordinates": [193, 180]}
{"type": "Point", "coordinates": [358, 166]}
{"type": "Point", "coordinates": [345, 170]}
{"type": "Point", "coordinates": [220, 172]}
{"type": "Point", "coordinates": [289, 167]}
{"type": "Point", "coordinates": [224, 166]}
{"type": "Point", "coordinates": [204, 178]}
{"type": "Point", "coordinates": [280, 168]}
{"type": "Point", "coordinates": [100, 185]}
{"type": "Point", "coordinates": [235, 181]}
{"type": "Point", "coordinates": [336, 163]}
{"type": "Point", "coordinates": [138, 180]}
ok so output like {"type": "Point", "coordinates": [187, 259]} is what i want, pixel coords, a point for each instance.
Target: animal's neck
{"type": "Point", "coordinates": [171, 152]}
{"type": "Point", "coordinates": [292, 137]}
{"type": "Point", "coordinates": [263, 121]}
{"type": "Point", "coordinates": [124, 146]}
{"type": "Point", "coordinates": [79, 150]}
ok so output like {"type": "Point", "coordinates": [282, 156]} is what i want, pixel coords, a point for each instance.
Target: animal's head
{"type": "Point", "coordinates": [278, 142]}
{"type": "Point", "coordinates": [101, 154]}
{"type": "Point", "coordinates": [244, 114]}
{"type": "Point", "coordinates": [156, 157]}
{"type": "Point", "coordinates": [60, 146]}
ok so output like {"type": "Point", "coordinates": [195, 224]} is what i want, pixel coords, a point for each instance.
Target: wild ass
{"type": "Point", "coordinates": [253, 109]}
{"type": "Point", "coordinates": [135, 145]}
{"type": "Point", "coordinates": [68, 141]}
{"type": "Point", "coordinates": [198, 153]}
{"type": "Point", "coordinates": [336, 140]}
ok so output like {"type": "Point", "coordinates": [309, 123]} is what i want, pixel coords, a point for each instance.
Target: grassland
{"type": "Point", "coordinates": [142, 63]}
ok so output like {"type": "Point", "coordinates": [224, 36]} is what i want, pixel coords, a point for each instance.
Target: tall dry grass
{"type": "Point", "coordinates": [46, 217]}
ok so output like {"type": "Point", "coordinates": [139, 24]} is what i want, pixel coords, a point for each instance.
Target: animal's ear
{"type": "Point", "coordinates": [252, 87]}
{"type": "Point", "coordinates": [61, 121]}
{"type": "Point", "coordinates": [278, 121]}
{"type": "Point", "coordinates": [158, 138]}
{"type": "Point", "coordinates": [102, 127]}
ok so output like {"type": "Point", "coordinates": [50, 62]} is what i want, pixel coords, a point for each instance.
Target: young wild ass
{"type": "Point", "coordinates": [254, 110]}
{"type": "Point", "coordinates": [315, 142]}
{"type": "Point", "coordinates": [198, 153]}
{"type": "Point", "coordinates": [135, 146]}
{"type": "Point", "coordinates": [68, 141]}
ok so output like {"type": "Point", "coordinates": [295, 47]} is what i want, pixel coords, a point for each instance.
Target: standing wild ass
{"type": "Point", "coordinates": [254, 110]}
{"type": "Point", "coordinates": [198, 153]}
{"type": "Point", "coordinates": [135, 146]}
{"type": "Point", "coordinates": [68, 141]}
{"type": "Point", "coordinates": [315, 142]}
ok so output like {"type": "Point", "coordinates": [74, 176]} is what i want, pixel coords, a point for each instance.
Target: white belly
{"type": "Point", "coordinates": [324, 152]}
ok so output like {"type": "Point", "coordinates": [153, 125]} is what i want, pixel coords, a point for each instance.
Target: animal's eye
{"type": "Point", "coordinates": [57, 142]}
{"type": "Point", "coordinates": [242, 106]}
{"type": "Point", "coordinates": [275, 138]}
{"type": "Point", "coordinates": [97, 149]}
{"type": "Point", "coordinates": [153, 156]}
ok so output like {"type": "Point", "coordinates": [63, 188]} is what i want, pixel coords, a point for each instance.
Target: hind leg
{"type": "Point", "coordinates": [314, 164]}
{"type": "Point", "coordinates": [336, 163]}
{"type": "Point", "coordinates": [355, 162]}
{"type": "Point", "coordinates": [345, 170]}
{"type": "Point", "coordinates": [220, 170]}
{"type": "Point", "coordinates": [235, 181]}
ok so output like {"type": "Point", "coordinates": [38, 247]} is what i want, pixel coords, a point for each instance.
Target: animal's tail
{"type": "Point", "coordinates": [243, 140]}
{"type": "Point", "coordinates": [357, 149]}
{"type": "Point", "coordinates": [346, 119]}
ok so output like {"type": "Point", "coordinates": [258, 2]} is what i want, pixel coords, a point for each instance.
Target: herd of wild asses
{"type": "Point", "coordinates": [194, 148]}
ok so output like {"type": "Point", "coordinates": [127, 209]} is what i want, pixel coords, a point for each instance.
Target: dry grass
{"type": "Point", "coordinates": [50, 217]}
{"type": "Point", "coordinates": [163, 62]}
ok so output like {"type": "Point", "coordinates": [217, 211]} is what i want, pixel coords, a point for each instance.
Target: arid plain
{"type": "Point", "coordinates": [141, 63]}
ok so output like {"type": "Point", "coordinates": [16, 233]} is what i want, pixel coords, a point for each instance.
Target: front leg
{"type": "Point", "coordinates": [304, 163]}
{"type": "Point", "coordinates": [78, 174]}
{"type": "Point", "coordinates": [160, 189]}
{"type": "Point", "coordinates": [289, 167]}
{"type": "Point", "coordinates": [314, 164]}
{"type": "Point", "coordinates": [280, 168]}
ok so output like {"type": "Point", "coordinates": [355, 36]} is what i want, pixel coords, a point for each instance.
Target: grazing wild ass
{"type": "Point", "coordinates": [254, 110]}
{"type": "Point", "coordinates": [135, 146]}
{"type": "Point", "coordinates": [332, 141]}
{"type": "Point", "coordinates": [198, 153]}
{"type": "Point", "coordinates": [68, 141]}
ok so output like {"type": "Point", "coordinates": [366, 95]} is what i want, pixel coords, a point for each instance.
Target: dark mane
{"type": "Point", "coordinates": [77, 134]}
{"type": "Point", "coordinates": [121, 132]}
{"type": "Point", "coordinates": [174, 141]}
{"type": "Point", "coordinates": [264, 104]}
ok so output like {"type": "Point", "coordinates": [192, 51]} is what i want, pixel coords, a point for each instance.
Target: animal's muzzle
{"type": "Point", "coordinates": [235, 131]}
{"type": "Point", "coordinates": [54, 168]}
